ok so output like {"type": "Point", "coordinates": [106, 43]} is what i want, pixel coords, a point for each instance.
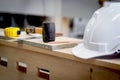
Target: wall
{"type": "Point", "coordinates": [54, 8]}
{"type": "Point", "coordinates": [37, 7]}
{"type": "Point", "coordinates": [21, 6]}
{"type": "Point", "coordinates": [70, 8]}
{"type": "Point", "coordinates": [79, 8]}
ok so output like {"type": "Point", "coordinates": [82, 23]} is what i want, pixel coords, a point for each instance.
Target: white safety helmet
{"type": "Point", "coordinates": [102, 33]}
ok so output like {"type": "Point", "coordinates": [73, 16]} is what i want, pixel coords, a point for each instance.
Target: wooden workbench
{"type": "Point", "coordinates": [60, 64]}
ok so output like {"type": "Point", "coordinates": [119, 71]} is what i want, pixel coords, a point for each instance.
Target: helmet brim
{"type": "Point", "coordinates": [82, 52]}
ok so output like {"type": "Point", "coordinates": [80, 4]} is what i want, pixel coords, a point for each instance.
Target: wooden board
{"type": "Point", "coordinates": [36, 40]}
{"type": "Point", "coordinates": [59, 43]}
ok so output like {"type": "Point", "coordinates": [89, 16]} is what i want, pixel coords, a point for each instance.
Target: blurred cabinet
{"type": "Point", "coordinates": [33, 60]}
{"type": "Point", "coordinates": [5, 20]}
{"type": "Point", "coordinates": [100, 73]}
{"type": "Point", "coordinates": [59, 68]}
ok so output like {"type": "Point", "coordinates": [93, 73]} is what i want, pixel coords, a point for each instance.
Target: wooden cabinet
{"type": "Point", "coordinates": [59, 68]}
{"type": "Point", "coordinates": [100, 73]}
{"type": "Point", "coordinates": [24, 62]}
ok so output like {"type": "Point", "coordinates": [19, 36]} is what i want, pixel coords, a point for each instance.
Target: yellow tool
{"type": "Point", "coordinates": [12, 32]}
{"type": "Point", "coordinates": [37, 30]}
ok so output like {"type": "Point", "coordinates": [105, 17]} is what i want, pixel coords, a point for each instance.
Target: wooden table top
{"type": "Point", "coordinates": [65, 53]}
